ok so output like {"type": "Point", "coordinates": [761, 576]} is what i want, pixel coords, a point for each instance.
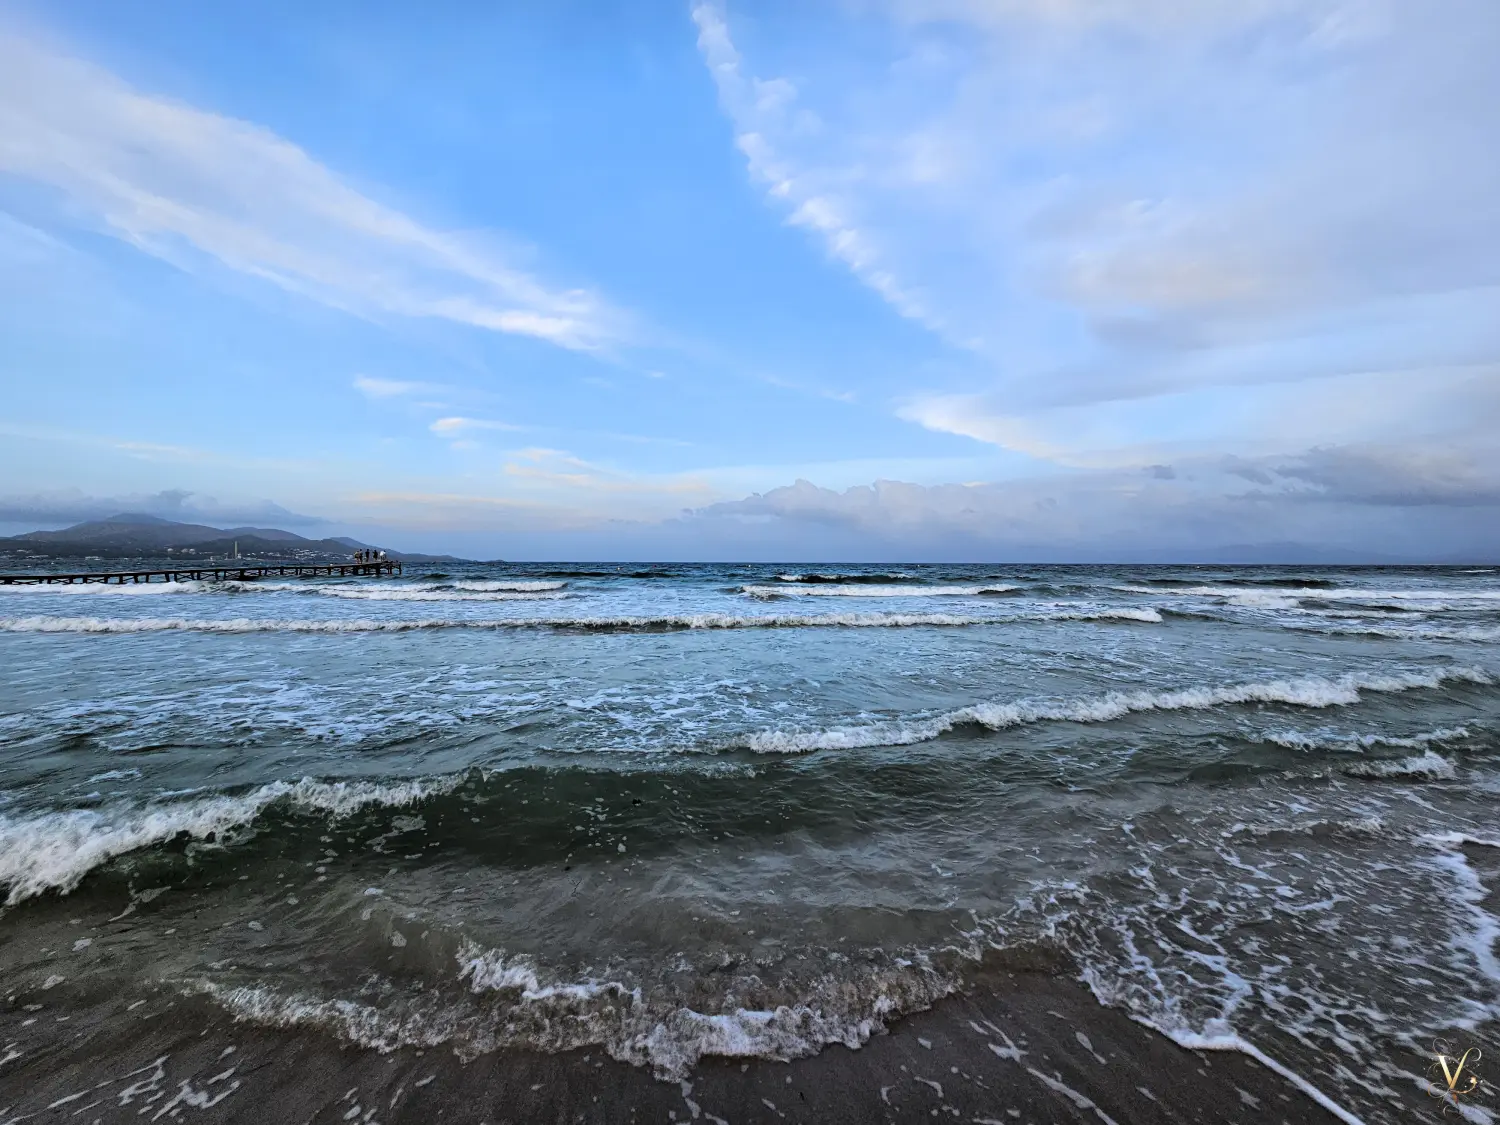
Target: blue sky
{"type": "Point", "coordinates": [880, 278]}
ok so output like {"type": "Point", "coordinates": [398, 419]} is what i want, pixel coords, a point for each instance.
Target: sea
{"type": "Point", "coordinates": [675, 811]}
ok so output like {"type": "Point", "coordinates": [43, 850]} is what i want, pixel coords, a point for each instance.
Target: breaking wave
{"type": "Point", "coordinates": [874, 591]}
{"type": "Point", "coordinates": [120, 589]}
{"type": "Point", "coordinates": [845, 578]}
{"type": "Point", "coordinates": [1283, 596]}
{"type": "Point", "coordinates": [512, 1006]}
{"type": "Point", "coordinates": [1310, 691]}
{"type": "Point", "coordinates": [53, 851]}
{"type": "Point", "coordinates": [461, 594]}
{"type": "Point", "coordinates": [1428, 764]}
{"type": "Point", "coordinates": [486, 586]}
{"type": "Point", "coordinates": [1359, 743]}
{"type": "Point", "coordinates": [108, 625]}
{"type": "Point", "coordinates": [1477, 633]}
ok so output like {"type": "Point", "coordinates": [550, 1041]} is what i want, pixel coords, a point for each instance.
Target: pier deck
{"type": "Point", "coordinates": [213, 572]}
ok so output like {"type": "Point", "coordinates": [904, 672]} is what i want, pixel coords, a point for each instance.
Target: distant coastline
{"type": "Point", "coordinates": [137, 536]}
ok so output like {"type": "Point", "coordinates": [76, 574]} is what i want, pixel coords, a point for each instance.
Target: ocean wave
{"type": "Point", "coordinates": [1288, 580]}
{"type": "Point", "coordinates": [1428, 765]}
{"type": "Point", "coordinates": [1309, 691]}
{"type": "Point", "coordinates": [1359, 743]}
{"type": "Point", "coordinates": [1477, 633]}
{"type": "Point", "coordinates": [1249, 598]}
{"type": "Point", "coordinates": [448, 590]}
{"type": "Point", "coordinates": [126, 625]}
{"type": "Point", "coordinates": [1367, 611]}
{"type": "Point", "coordinates": [460, 594]}
{"type": "Point", "coordinates": [115, 589]}
{"type": "Point", "coordinates": [874, 591]}
{"type": "Point", "coordinates": [487, 586]}
{"type": "Point", "coordinates": [1284, 597]}
{"type": "Point", "coordinates": [53, 851]}
{"type": "Point", "coordinates": [845, 578]}
{"type": "Point", "coordinates": [521, 1009]}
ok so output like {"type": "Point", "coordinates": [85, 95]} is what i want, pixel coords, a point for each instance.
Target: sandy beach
{"type": "Point", "coordinates": [1020, 1047]}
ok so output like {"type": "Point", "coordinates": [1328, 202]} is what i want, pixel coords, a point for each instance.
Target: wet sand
{"type": "Point", "coordinates": [1025, 1046]}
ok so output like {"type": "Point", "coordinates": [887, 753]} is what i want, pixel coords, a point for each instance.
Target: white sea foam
{"type": "Point", "coordinates": [670, 1042]}
{"type": "Point", "coordinates": [1146, 616]}
{"type": "Point", "coordinates": [1479, 941]}
{"type": "Point", "coordinates": [353, 1022]}
{"type": "Point", "coordinates": [456, 590]}
{"type": "Point", "coordinates": [1458, 839]}
{"type": "Point", "coordinates": [1427, 764]}
{"type": "Point", "coordinates": [1273, 597]}
{"type": "Point", "coordinates": [1478, 633]}
{"type": "Point", "coordinates": [1217, 1035]}
{"type": "Point", "coordinates": [60, 624]}
{"type": "Point", "coordinates": [115, 775]}
{"type": "Point", "coordinates": [54, 850]}
{"type": "Point", "coordinates": [543, 1015]}
{"type": "Point", "coordinates": [409, 594]}
{"type": "Point", "coordinates": [491, 970]}
{"type": "Point", "coordinates": [486, 586]}
{"type": "Point", "coordinates": [111, 589]}
{"type": "Point", "coordinates": [873, 591]}
{"type": "Point", "coordinates": [1323, 740]}
{"type": "Point", "coordinates": [825, 577]}
{"type": "Point", "coordinates": [1310, 691]}
{"type": "Point", "coordinates": [1252, 598]}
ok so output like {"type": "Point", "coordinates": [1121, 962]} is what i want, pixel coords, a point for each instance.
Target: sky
{"type": "Point", "coordinates": [855, 279]}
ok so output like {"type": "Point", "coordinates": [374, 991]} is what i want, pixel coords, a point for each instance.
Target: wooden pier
{"type": "Point", "coordinates": [215, 573]}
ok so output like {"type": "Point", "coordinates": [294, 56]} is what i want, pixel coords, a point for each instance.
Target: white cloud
{"type": "Point", "coordinates": [1365, 500]}
{"type": "Point", "coordinates": [388, 388]}
{"type": "Point", "coordinates": [1457, 406]}
{"type": "Point", "coordinates": [170, 178]}
{"type": "Point", "coordinates": [74, 506]}
{"type": "Point", "coordinates": [1154, 17]}
{"type": "Point", "coordinates": [564, 474]}
{"type": "Point", "coordinates": [537, 489]}
{"type": "Point", "coordinates": [1148, 201]}
{"type": "Point", "coordinates": [458, 425]}
{"type": "Point", "coordinates": [764, 111]}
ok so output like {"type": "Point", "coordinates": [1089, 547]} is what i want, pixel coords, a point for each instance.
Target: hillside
{"type": "Point", "coordinates": [134, 536]}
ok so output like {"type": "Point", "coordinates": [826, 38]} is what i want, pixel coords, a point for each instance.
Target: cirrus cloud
{"type": "Point", "coordinates": [177, 181]}
{"type": "Point", "coordinates": [1168, 204]}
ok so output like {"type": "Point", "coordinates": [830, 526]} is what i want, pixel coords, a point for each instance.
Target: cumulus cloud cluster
{"type": "Point", "coordinates": [1336, 503]}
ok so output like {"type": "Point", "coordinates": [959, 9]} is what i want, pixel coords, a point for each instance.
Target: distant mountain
{"type": "Point", "coordinates": [132, 535]}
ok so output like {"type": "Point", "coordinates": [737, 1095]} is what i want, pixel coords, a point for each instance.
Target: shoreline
{"type": "Point", "coordinates": [1016, 1047]}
